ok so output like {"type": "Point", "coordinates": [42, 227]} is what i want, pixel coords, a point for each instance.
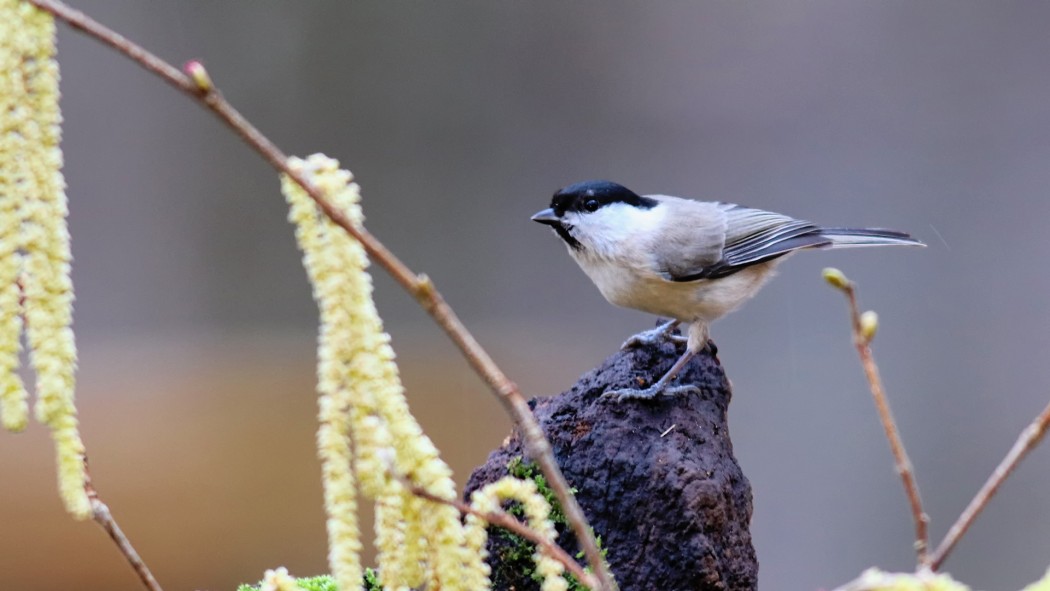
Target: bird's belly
{"type": "Point", "coordinates": [703, 299]}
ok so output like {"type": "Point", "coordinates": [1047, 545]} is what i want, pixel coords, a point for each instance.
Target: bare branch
{"type": "Point", "coordinates": [199, 86]}
{"type": "Point", "coordinates": [863, 332]}
{"type": "Point", "coordinates": [101, 515]}
{"type": "Point", "coordinates": [1026, 442]}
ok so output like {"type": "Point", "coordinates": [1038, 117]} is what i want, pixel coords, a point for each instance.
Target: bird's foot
{"type": "Point", "coordinates": [662, 386]}
{"type": "Point", "coordinates": [649, 393]}
{"type": "Point", "coordinates": [655, 336]}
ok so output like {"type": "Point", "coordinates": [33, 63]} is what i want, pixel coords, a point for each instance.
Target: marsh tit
{"type": "Point", "coordinates": [691, 261]}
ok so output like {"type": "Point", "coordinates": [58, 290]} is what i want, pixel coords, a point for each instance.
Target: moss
{"type": "Point", "coordinates": [511, 555]}
{"type": "Point", "coordinates": [519, 468]}
{"type": "Point", "coordinates": [372, 582]}
{"type": "Point", "coordinates": [327, 583]}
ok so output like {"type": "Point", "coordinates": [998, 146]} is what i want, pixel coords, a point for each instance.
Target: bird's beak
{"type": "Point", "coordinates": [548, 217]}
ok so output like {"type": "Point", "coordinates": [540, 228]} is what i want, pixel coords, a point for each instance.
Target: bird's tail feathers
{"type": "Point", "coordinates": [854, 237]}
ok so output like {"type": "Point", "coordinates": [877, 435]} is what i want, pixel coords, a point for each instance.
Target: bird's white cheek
{"type": "Point", "coordinates": [614, 231]}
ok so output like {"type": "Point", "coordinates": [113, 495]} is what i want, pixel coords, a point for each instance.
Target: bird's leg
{"type": "Point", "coordinates": [697, 340]}
{"type": "Point", "coordinates": [655, 336]}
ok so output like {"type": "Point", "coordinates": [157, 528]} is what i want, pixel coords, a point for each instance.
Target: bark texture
{"type": "Point", "coordinates": [656, 478]}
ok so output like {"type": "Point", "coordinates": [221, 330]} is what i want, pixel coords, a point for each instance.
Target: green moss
{"type": "Point", "coordinates": [327, 583]}
{"type": "Point", "coordinates": [512, 560]}
{"type": "Point", "coordinates": [519, 468]}
{"type": "Point", "coordinates": [372, 582]}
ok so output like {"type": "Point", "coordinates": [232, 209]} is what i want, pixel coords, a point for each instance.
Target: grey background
{"type": "Point", "coordinates": [460, 119]}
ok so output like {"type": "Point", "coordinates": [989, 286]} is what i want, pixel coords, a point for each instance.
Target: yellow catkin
{"type": "Point", "coordinates": [14, 409]}
{"type": "Point", "coordinates": [333, 437]}
{"type": "Point", "coordinates": [476, 535]}
{"type": "Point", "coordinates": [344, 534]}
{"type": "Point", "coordinates": [877, 580]}
{"type": "Point", "coordinates": [278, 579]}
{"type": "Point", "coordinates": [386, 435]}
{"type": "Point", "coordinates": [1040, 585]}
{"type": "Point", "coordinates": [411, 560]}
{"type": "Point", "coordinates": [43, 242]}
{"type": "Point", "coordinates": [390, 536]}
{"type": "Point", "coordinates": [537, 513]}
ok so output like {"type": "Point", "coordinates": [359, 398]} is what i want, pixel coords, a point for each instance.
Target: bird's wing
{"type": "Point", "coordinates": [690, 241]}
{"type": "Point", "coordinates": [753, 236]}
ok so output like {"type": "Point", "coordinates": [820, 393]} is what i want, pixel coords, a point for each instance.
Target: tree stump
{"type": "Point", "coordinates": [656, 478]}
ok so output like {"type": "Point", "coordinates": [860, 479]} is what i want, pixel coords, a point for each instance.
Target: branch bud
{"type": "Point", "coordinates": [869, 325]}
{"type": "Point", "coordinates": [836, 278]}
{"type": "Point", "coordinates": [195, 70]}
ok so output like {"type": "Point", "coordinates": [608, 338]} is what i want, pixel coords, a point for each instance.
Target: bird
{"type": "Point", "coordinates": [688, 260]}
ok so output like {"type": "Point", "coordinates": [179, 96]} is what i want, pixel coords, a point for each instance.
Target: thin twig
{"type": "Point", "coordinates": [101, 515]}
{"type": "Point", "coordinates": [502, 519]}
{"type": "Point", "coordinates": [422, 289]}
{"type": "Point", "coordinates": [862, 336]}
{"type": "Point", "coordinates": [1026, 442]}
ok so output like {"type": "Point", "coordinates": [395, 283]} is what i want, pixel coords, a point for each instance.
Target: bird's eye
{"type": "Point", "coordinates": [591, 205]}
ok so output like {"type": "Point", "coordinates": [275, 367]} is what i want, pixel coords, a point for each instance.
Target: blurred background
{"type": "Point", "coordinates": [196, 327]}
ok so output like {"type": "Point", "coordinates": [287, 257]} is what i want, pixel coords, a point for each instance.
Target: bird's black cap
{"type": "Point", "coordinates": [592, 195]}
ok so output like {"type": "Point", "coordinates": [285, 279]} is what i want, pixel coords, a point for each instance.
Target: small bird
{"type": "Point", "coordinates": [691, 261]}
